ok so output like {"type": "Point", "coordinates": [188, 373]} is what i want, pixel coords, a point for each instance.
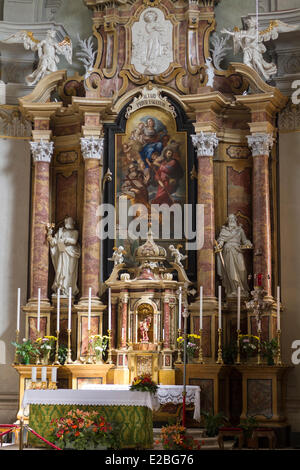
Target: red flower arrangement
{"type": "Point", "coordinates": [83, 430]}
{"type": "Point", "coordinates": [175, 438]}
{"type": "Point", "coordinates": [144, 383]}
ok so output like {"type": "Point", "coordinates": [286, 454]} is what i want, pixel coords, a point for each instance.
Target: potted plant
{"type": "Point", "coordinates": [26, 350]}
{"type": "Point", "coordinates": [269, 350]}
{"type": "Point", "coordinates": [84, 430]}
{"type": "Point", "coordinates": [99, 345]}
{"type": "Point", "coordinates": [213, 422]}
{"type": "Point", "coordinates": [191, 347]}
{"type": "Point", "coordinates": [46, 345]}
{"type": "Point", "coordinates": [144, 383]}
{"type": "Point", "coordinates": [248, 425]}
{"type": "Point", "coordinates": [248, 346]}
{"type": "Point", "coordinates": [175, 437]}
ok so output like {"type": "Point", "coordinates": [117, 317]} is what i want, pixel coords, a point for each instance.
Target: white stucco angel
{"type": "Point", "coordinates": [178, 257]}
{"type": "Point", "coordinates": [47, 49]}
{"type": "Point", "coordinates": [118, 255]}
{"type": "Point", "coordinates": [251, 42]}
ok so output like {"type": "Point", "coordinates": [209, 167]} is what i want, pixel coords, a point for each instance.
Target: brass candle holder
{"type": "Point", "coordinates": [56, 360]}
{"type": "Point", "coordinates": [69, 359]}
{"type": "Point", "coordinates": [220, 358]}
{"type": "Point", "coordinates": [238, 356]}
{"type": "Point", "coordinates": [88, 359]}
{"type": "Point", "coordinates": [109, 358]}
{"type": "Point", "coordinates": [52, 386]}
{"type": "Point", "coordinates": [200, 358]}
{"type": "Point", "coordinates": [37, 362]}
{"type": "Point", "coordinates": [278, 357]}
{"type": "Point", "coordinates": [259, 346]}
{"type": "Point", "coordinates": [17, 341]}
{"type": "Point", "coordinates": [179, 356]}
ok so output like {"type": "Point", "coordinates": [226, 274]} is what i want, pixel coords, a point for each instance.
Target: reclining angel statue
{"type": "Point", "coordinates": [47, 49]}
{"type": "Point", "coordinates": [251, 43]}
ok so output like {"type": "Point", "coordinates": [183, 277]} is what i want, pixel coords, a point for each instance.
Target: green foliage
{"type": "Point", "coordinates": [248, 425]}
{"type": "Point", "coordinates": [229, 353]}
{"type": "Point", "coordinates": [213, 422]}
{"type": "Point", "coordinates": [269, 350]}
{"type": "Point", "coordinates": [26, 350]}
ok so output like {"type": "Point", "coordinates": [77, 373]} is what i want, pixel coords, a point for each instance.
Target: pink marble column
{"type": "Point", "coordinates": [92, 151]}
{"type": "Point", "coordinates": [167, 320]}
{"type": "Point", "coordinates": [114, 307]}
{"type": "Point", "coordinates": [124, 315]}
{"type": "Point", "coordinates": [205, 144]}
{"type": "Point", "coordinates": [41, 154]}
{"type": "Point", "coordinates": [261, 145]}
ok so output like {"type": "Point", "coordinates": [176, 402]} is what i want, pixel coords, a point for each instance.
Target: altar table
{"type": "Point", "coordinates": [165, 394]}
{"type": "Point", "coordinates": [130, 410]}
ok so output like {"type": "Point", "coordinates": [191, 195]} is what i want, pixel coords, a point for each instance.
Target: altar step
{"type": "Point", "coordinates": [207, 443]}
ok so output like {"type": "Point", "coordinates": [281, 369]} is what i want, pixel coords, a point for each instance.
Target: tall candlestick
{"type": "Point", "coordinates": [58, 310]}
{"type": "Point", "coordinates": [89, 308]}
{"type": "Point", "coordinates": [70, 308]}
{"type": "Point", "coordinates": [278, 308]}
{"type": "Point", "coordinates": [220, 307]}
{"type": "Point", "coordinates": [39, 311]}
{"type": "Point", "coordinates": [109, 308]}
{"type": "Point", "coordinates": [239, 308]}
{"type": "Point", "coordinates": [18, 309]}
{"type": "Point", "coordinates": [179, 309]}
{"type": "Point", "coordinates": [201, 307]}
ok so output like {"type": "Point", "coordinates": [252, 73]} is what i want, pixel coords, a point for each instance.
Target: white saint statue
{"type": "Point", "coordinates": [65, 253]}
{"type": "Point", "coordinates": [48, 51]}
{"type": "Point", "coordinates": [251, 40]}
{"type": "Point", "coordinates": [118, 255]}
{"type": "Point", "coordinates": [230, 262]}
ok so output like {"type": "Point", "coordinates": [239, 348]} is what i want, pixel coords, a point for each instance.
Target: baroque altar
{"type": "Point", "coordinates": [156, 122]}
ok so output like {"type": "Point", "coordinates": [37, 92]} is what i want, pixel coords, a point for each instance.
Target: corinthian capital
{"type": "Point", "coordinates": [205, 143]}
{"type": "Point", "coordinates": [92, 147]}
{"type": "Point", "coordinates": [260, 144]}
{"type": "Point", "coordinates": [41, 151]}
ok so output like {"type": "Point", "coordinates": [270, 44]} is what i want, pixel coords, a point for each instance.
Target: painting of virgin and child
{"type": "Point", "coordinates": [151, 163]}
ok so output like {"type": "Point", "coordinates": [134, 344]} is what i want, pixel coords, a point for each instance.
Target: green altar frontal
{"type": "Point", "coordinates": [134, 422]}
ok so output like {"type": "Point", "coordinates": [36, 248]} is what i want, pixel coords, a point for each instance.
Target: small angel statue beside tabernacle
{"type": "Point", "coordinates": [117, 256]}
{"type": "Point", "coordinates": [251, 40]}
{"type": "Point", "coordinates": [178, 257]}
{"type": "Point", "coordinates": [47, 49]}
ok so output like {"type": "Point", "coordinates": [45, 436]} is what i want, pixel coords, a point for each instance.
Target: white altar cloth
{"type": "Point", "coordinates": [108, 397]}
{"type": "Point", "coordinates": [165, 394]}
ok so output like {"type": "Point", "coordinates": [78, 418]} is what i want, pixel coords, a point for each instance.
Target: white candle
{"type": "Point", "coordinates": [122, 334]}
{"type": "Point", "coordinates": [89, 309]}
{"type": "Point", "coordinates": [109, 308]}
{"type": "Point", "coordinates": [44, 374]}
{"type": "Point", "coordinates": [278, 308]}
{"type": "Point", "coordinates": [58, 310]}
{"type": "Point", "coordinates": [39, 311]}
{"type": "Point", "coordinates": [18, 309]}
{"type": "Point", "coordinates": [220, 307]}
{"type": "Point", "coordinates": [179, 309]}
{"type": "Point", "coordinates": [239, 308]}
{"type": "Point", "coordinates": [54, 374]}
{"type": "Point", "coordinates": [70, 308]}
{"type": "Point", "coordinates": [33, 374]}
{"type": "Point", "coordinates": [163, 334]}
{"type": "Point", "coordinates": [201, 308]}
{"type": "Point", "coordinates": [136, 328]}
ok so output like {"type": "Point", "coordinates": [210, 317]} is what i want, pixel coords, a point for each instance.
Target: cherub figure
{"type": "Point", "coordinates": [48, 50]}
{"type": "Point", "coordinates": [251, 41]}
{"type": "Point", "coordinates": [178, 257]}
{"type": "Point", "coordinates": [117, 256]}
